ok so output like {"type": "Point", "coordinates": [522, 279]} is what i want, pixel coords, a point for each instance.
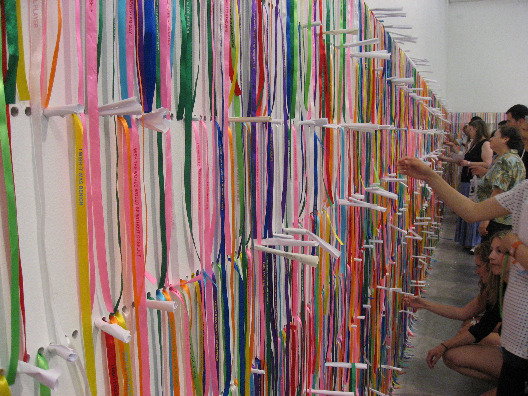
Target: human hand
{"type": "Point", "coordinates": [483, 228]}
{"type": "Point", "coordinates": [464, 163]}
{"type": "Point", "coordinates": [434, 355]}
{"type": "Point", "coordinates": [414, 302]}
{"type": "Point", "coordinates": [415, 167]}
{"type": "Point", "coordinates": [479, 170]}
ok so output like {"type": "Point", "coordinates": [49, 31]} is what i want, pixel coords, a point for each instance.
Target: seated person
{"type": "Point", "coordinates": [461, 353]}
{"type": "Point", "coordinates": [513, 378]}
{"type": "Point", "coordinates": [471, 313]}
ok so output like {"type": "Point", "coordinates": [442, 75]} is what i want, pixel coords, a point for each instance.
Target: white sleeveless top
{"type": "Point", "coordinates": [514, 336]}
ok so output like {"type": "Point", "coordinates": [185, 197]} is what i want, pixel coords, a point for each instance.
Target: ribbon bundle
{"type": "Point", "coordinates": [266, 248]}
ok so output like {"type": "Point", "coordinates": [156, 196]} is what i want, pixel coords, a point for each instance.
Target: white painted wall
{"type": "Point", "coordinates": [487, 55]}
{"type": "Point", "coordinates": [478, 49]}
{"type": "Point", "coordinates": [429, 20]}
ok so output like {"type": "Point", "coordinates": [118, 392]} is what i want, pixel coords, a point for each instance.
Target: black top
{"type": "Point", "coordinates": [488, 322]}
{"type": "Point", "coordinates": [524, 157]}
{"type": "Point", "coordinates": [474, 154]}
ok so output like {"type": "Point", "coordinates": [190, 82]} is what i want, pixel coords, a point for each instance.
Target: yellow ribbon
{"type": "Point", "coordinates": [82, 252]}
{"type": "Point", "coordinates": [123, 350]}
{"type": "Point", "coordinates": [332, 227]}
{"type": "Point", "coordinates": [55, 55]}
{"type": "Point", "coordinates": [4, 386]}
{"type": "Point", "coordinates": [23, 91]}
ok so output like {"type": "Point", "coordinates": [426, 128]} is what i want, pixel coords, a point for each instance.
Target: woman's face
{"type": "Point", "coordinates": [496, 257]}
{"type": "Point", "coordinates": [471, 131]}
{"type": "Point", "coordinates": [497, 142]}
{"type": "Point", "coordinates": [481, 269]}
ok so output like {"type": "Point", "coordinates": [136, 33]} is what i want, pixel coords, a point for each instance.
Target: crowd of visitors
{"type": "Point", "coordinates": [492, 343]}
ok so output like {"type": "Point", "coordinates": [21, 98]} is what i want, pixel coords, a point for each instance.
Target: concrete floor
{"type": "Point", "coordinates": [453, 281]}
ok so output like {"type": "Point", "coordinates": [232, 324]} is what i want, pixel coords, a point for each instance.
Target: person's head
{"type": "Point", "coordinates": [523, 130]}
{"type": "Point", "coordinates": [502, 123]}
{"type": "Point", "coordinates": [496, 256]}
{"type": "Point", "coordinates": [478, 130]}
{"type": "Point", "coordinates": [475, 118]}
{"type": "Point", "coordinates": [515, 115]}
{"type": "Point", "coordinates": [482, 262]}
{"type": "Point", "coordinates": [505, 139]}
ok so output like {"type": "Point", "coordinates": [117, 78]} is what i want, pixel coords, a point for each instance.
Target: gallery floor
{"type": "Point", "coordinates": [453, 281]}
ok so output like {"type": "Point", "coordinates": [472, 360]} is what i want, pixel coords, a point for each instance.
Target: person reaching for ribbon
{"type": "Point", "coordinates": [473, 311]}
{"type": "Point", "coordinates": [513, 379]}
{"type": "Point", "coordinates": [462, 353]}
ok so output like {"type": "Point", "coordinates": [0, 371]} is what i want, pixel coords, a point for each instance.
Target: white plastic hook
{"type": "Point", "coordinates": [378, 392]}
{"type": "Point", "coordinates": [362, 43]}
{"type": "Point", "coordinates": [359, 366]}
{"type": "Point", "coordinates": [371, 55]}
{"type": "Point", "coordinates": [342, 31]}
{"type": "Point", "coordinates": [302, 258]}
{"type": "Point", "coordinates": [329, 392]}
{"type": "Point", "coordinates": [167, 306]}
{"type": "Point", "coordinates": [49, 378]}
{"type": "Point", "coordinates": [63, 351]}
{"type": "Point", "coordinates": [114, 330]}
{"type": "Point", "coordinates": [62, 111]}
{"type": "Point", "coordinates": [288, 242]}
{"type": "Point", "coordinates": [387, 367]}
{"type": "Point", "coordinates": [382, 192]}
{"type": "Point", "coordinates": [130, 106]}
{"type": "Point", "coordinates": [401, 80]}
{"type": "Point", "coordinates": [156, 120]}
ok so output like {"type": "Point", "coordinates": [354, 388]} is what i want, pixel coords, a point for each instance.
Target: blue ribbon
{"type": "Point", "coordinates": [221, 255]}
{"type": "Point", "coordinates": [149, 80]}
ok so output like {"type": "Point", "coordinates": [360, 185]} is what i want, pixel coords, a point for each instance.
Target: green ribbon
{"type": "Point", "coordinates": [186, 102]}
{"type": "Point", "coordinates": [163, 225]}
{"type": "Point", "coordinates": [116, 306]}
{"type": "Point", "coordinates": [99, 34]}
{"type": "Point", "coordinates": [353, 378]}
{"type": "Point", "coordinates": [43, 364]}
{"type": "Point", "coordinates": [12, 47]}
{"type": "Point", "coordinates": [13, 236]}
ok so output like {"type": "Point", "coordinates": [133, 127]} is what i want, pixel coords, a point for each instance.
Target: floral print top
{"type": "Point", "coordinates": [505, 173]}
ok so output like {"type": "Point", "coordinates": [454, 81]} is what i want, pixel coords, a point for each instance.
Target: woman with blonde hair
{"type": "Point", "coordinates": [470, 313]}
{"type": "Point", "coordinates": [513, 379]}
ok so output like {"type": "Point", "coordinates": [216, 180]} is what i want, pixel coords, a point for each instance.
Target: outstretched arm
{"type": "Point", "coordinates": [461, 205]}
{"type": "Point", "coordinates": [468, 311]}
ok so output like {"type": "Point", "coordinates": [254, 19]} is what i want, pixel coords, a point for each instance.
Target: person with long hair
{"type": "Point", "coordinates": [478, 153]}
{"type": "Point", "coordinates": [513, 379]}
{"type": "Point", "coordinates": [462, 353]}
{"type": "Point", "coordinates": [470, 313]}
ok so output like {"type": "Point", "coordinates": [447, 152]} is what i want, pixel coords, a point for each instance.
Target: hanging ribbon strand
{"type": "Point", "coordinates": [240, 216]}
